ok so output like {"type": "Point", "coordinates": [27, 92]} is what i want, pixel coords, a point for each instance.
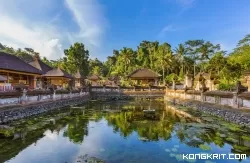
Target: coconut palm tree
{"type": "Point", "coordinates": [180, 53]}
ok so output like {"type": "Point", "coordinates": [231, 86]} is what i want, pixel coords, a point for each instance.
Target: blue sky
{"type": "Point", "coordinates": [50, 26]}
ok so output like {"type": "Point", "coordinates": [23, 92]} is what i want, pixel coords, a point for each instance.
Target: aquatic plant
{"type": "Point", "coordinates": [204, 147]}
{"type": "Point", "coordinates": [241, 148]}
{"type": "Point", "coordinates": [246, 138]}
{"type": "Point", "coordinates": [167, 150]}
{"type": "Point", "coordinates": [174, 149]}
{"type": "Point", "coordinates": [231, 140]}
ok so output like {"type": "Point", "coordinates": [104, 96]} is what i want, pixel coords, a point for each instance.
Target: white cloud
{"type": "Point", "coordinates": [19, 34]}
{"type": "Point", "coordinates": [88, 15]}
{"type": "Point", "coordinates": [20, 28]}
{"type": "Point", "coordinates": [167, 28]}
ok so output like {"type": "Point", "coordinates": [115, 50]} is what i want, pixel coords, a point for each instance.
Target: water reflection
{"type": "Point", "coordinates": [123, 132]}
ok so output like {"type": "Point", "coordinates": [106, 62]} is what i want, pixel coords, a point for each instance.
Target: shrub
{"type": "Point", "coordinates": [225, 87]}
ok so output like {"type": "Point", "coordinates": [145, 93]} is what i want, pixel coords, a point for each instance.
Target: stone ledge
{"type": "Point", "coordinates": [227, 113]}
{"type": "Point", "coordinates": [19, 112]}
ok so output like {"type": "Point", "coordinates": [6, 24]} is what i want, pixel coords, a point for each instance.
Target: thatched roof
{"type": "Point", "coordinates": [11, 62]}
{"type": "Point", "coordinates": [78, 75]}
{"type": "Point", "coordinates": [3, 78]}
{"type": "Point", "coordinates": [144, 73]}
{"type": "Point", "coordinates": [57, 72]}
{"type": "Point", "coordinates": [93, 77]}
{"type": "Point", "coordinates": [37, 63]}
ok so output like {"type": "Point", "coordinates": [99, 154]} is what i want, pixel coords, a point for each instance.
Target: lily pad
{"type": "Point", "coordinates": [167, 150]}
{"type": "Point", "coordinates": [174, 149]}
{"type": "Point", "coordinates": [204, 147]}
{"type": "Point", "coordinates": [232, 140]}
{"type": "Point", "coordinates": [176, 146]}
{"type": "Point", "coordinates": [172, 155]}
{"type": "Point", "coordinates": [209, 162]}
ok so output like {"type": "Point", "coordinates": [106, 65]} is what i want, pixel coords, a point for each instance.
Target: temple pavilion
{"type": "Point", "coordinates": [144, 77]}
{"type": "Point", "coordinates": [94, 80]}
{"type": "Point", "coordinates": [14, 71]}
{"type": "Point", "coordinates": [51, 76]}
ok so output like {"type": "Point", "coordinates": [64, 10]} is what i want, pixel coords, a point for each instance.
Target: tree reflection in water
{"type": "Point", "coordinates": [190, 127]}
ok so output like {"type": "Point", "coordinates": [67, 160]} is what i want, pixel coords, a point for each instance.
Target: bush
{"type": "Point", "coordinates": [225, 87]}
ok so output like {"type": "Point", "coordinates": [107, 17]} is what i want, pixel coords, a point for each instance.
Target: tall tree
{"type": "Point", "coordinates": [200, 51]}
{"type": "Point", "coordinates": [240, 54]}
{"type": "Point", "coordinates": [127, 56]}
{"type": "Point", "coordinates": [180, 53]}
{"type": "Point", "coordinates": [164, 58]}
{"type": "Point", "coordinates": [76, 58]}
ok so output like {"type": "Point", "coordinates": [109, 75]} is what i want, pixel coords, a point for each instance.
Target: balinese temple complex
{"type": "Point", "coordinates": [37, 74]}
{"type": "Point", "coordinates": [144, 77]}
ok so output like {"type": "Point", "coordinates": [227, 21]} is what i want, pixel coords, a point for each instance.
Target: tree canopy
{"type": "Point", "coordinates": [191, 57]}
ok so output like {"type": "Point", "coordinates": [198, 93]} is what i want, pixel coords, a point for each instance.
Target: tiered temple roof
{"type": "Point", "coordinates": [37, 63]}
{"type": "Point", "coordinates": [144, 73]}
{"type": "Point", "coordinates": [13, 63]}
{"type": "Point", "coordinates": [93, 77]}
{"type": "Point", "coordinates": [57, 72]}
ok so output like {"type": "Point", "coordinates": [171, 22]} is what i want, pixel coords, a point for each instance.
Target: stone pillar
{"type": "Point", "coordinates": [217, 100]}
{"type": "Point", "coordinates": [81, 93]}
{"type": "Point", "coordinates": [235, 100]}
{"type": "Point", "coordinates": [23, 99]}
{"type": "Point", "coordinates": [202, 97]}
{"type": "Point", "coordinates": [240, 102]}
{"type": "Point", "coordinates": [39, 97]}
{"type": "Point", "coordinates": [54, 95]}
{"type": "Point", "coordinates": [248, 83]}
{"type": "Point", "coordinates": [173, 86]}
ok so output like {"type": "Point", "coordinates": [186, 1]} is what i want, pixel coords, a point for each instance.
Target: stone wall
{"type": "Point", "coordinates": [214, 97]}
{"type": "Point", "coordinates": [127, 95]}
{"type": "Point", "coordinates": [20, 112]}
{"type": "Point", "coordinates": [231, 115]}
{"type": "Point", "coordinates": [27, 99]}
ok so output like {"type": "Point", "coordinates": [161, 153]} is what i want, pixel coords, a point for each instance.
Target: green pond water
{"type": "Point", "coordinates": [121, 132]}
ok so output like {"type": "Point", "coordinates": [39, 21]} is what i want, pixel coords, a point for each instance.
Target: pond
{"type": "Point", "coordinates": [122, 132]}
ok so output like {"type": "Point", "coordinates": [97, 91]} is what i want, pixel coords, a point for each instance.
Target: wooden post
{"type": "Point", "coordinates": [8, 77]}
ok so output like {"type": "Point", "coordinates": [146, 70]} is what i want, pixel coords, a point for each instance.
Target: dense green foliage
{"type": "Point", "coordinates": [191, 57]}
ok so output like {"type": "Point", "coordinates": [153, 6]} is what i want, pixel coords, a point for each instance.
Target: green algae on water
{"type": "Point", "coordinates": [204, 147]}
